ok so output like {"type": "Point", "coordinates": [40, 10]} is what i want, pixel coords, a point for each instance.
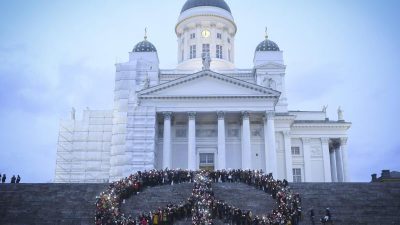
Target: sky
{"type": "Point", "coordinates": [55, 55]}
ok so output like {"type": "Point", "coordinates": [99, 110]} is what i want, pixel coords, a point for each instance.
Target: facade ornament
{"type": "Point", "coordinates": [73, 113]}
{"type": "Point", "coordinates": [245, 115]}
{"type": "Point", "coordinates": [167, 115]}
{"type": "Point", "coordinates": [221, 115]}
{"type": "Point", "coordinates": [340, 114]}
{"type": "Point", "coordinates": [192, 115]}
{"type": "Point", "coordinates": [206, 61]}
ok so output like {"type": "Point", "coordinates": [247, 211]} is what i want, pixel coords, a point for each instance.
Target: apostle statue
{"type": "Point", "coordinates": [206, 61]}
{"type": "Point", "coordinates": [340, 114]}
{"type": "Point", "coordinates": [324, 108]}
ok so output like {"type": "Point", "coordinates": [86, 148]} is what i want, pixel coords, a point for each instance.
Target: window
{"type": "Point", "coordinates": [219, 51]}
{"type": "Point", "coordinates": [229, 40]}
{"type": "Point", "coordinates": [295, 150]}
{"type": "Point", "coordinates": [206, 49]}
{"type": "Point", "coordinates": [192, 35]}
{"type": "Point", "coordinates": [207, 158]}
{"type": "Point", "coordinates": [219, 35]}
{"type": "Point", "coordinates": [229, 55]}
{"type": "Point", "coordinates": [193, 51]}
{"type": "Point", "coordinates": [296, 175]}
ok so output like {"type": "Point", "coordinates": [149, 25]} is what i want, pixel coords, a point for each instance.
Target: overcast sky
{"type": "Point", "coordinates": [55, 55]}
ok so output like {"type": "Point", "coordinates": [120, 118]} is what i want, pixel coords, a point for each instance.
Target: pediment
{"type": "Point", "coordinates": [208, 84]}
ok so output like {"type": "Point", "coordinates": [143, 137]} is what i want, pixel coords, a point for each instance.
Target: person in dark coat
{"type": "Point", "coordinates": [312, 216]}
{"type": "Point", "coordinates": [18, 179]}
{"type": "Point", "coordinates": [13, 178]}
{"type": "Point", "coordinates": [3, 179]}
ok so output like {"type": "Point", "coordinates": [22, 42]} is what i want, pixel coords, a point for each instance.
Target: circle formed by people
{"type": "Point", "coordinates": [202, 206]}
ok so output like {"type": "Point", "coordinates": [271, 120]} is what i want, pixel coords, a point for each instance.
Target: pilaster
{"type": "Point", "coordinates": [307, 159]}
{"type": "Point", "coordinates": [325, 155]}
{"type": "Point", "coordinates": [288, 156]}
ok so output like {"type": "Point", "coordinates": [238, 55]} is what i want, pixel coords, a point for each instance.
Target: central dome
{"type": "Point", "coordinates": [197, 3]}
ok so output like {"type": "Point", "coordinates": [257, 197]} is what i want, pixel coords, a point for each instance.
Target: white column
{"type": "Point", "coordinates": [272, 166]}
{"type": "Point", "coordinates": [327, 163]}
{"type": "Point", "coordinates": [221, 141]}
{"type": "Point", "coordinates": [192, 141]}
{"type": "Point", "coordinates": [333, 165]}
{"type": "Point", "coordinates": [343, 145]}
{"type": "Point", "coordinates": [307, 159]}
{"type": "Point", "coordinates": [339, 162]}
{"type": "Point", "coordinates": [288, 156]}
{"type": "Point", "coordinates": [167, 162]}
{"type": "Point", "coordinates": [246, 143]}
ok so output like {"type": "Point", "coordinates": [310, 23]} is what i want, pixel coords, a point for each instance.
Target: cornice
{"type": "Point", "coordinates": [264, 91]}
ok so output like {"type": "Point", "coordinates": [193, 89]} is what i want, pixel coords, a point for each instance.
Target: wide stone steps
{"type": "Point", "coordinates": [73, 204]}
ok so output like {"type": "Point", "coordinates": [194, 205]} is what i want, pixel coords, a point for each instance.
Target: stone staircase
{"type": "Point", "coordinates": [73, 204]}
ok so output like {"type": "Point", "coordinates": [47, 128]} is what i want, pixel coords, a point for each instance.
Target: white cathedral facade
{"type": "Point", "coordinates": [200, 116]}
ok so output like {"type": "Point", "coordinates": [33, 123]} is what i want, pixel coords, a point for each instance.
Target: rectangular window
{"type": "Point", "coordinates": [295, 150]}
{"type": "Point", "coordinates": [206, 49]}
{"type": "Point", "coordinates": [219, 35]}
{"type": "Point", "coordinates": [193, 51]}
{"type": "Point", "coordinates": [229, 40]}
{"type": "Point", "coordinates": [192, 35]}
{"type": "Point", "coordinates": [296, 175]}
{"type": "Point", "coordinates": [219, 52]}
{"type": "Point", "coordinates": [207, 158]}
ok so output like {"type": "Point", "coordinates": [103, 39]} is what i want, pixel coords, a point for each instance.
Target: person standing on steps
{"type": "Point", "coordinates": [312, 216]}
{"type": "Point", "coordinates": [3, 179]}
{"type": "Point", "coordinates": [13, 179]}
{"type": "Point", "coordinates": [18, 179]}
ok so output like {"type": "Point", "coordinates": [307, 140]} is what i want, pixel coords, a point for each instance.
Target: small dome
{"type": "Point", "coordinates": [197, 3]}
{"type": "Point", "coordinates": [267, 46]}
{"type": "Point", "coordinates": [144, 46]}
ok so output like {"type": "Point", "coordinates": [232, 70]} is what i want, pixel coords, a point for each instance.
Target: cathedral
{"type": "Point", "coordinates": [203, 114]}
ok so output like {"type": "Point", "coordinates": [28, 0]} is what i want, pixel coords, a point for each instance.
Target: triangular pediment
{"type": "Point", "coordinates": [208, 84]}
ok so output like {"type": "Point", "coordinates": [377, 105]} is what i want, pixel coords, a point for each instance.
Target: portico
{"type": "Point", "coordinates": [212, 140]}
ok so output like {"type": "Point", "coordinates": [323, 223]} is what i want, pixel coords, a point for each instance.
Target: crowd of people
{"type": "Point", "coordinates": [14, 180]}
{"type": "Point", "coordinates": [201, 206]}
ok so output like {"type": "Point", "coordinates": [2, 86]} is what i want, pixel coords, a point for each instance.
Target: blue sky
{"type": "Point", "coordinates": [55, 55]}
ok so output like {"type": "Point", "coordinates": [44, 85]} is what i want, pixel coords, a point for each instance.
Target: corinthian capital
{"type": "Point", "coordinates": [192, 115]}
{"type": "Point", "coordinates": [221, 115]}
{"type": "Point", "coordinates": [167, 115]}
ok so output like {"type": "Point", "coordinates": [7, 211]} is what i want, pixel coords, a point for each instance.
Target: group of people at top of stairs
{"type": "Point", "coordinates": [327, 219]}
{"type": "Point", "coordinates": [288, 211]}
{"type": "Point", "coordinates": [14, 180]}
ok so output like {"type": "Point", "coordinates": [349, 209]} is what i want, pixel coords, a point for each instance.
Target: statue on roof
{"type": "Point", "coordinates": [340, 114]}
{"type": "Point", "coordinates": [206, 61]}
{"type": "Point", "coordinates": [324, 108]}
